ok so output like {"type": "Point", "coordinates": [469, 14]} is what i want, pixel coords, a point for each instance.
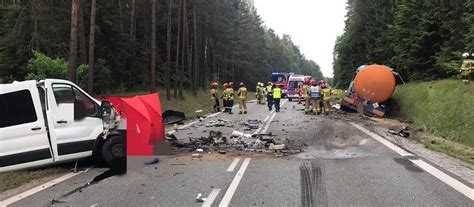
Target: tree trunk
{"type": "Point", "coordinates": [73, 41]}
{"type": "Point", "coordinates": [82, 36]}
{"type": "Point", "coordinates": [132, 20]}
{"type": "Point", "coordinates": [90, 79]}
{"type": "Point", "coordinates": [177, 70]}
{"type": "Point", "coordinates": [34, 8]}
{"type": "Point", "coordinates": [153, 47]}
{"type": "Point", "coordinates": [168, 52]}
{"type": "Point", "coordinates": [195, 68]}
{"type": "Point", "coordinates": [120, 15]}
{"type": "Point", "coordinates": [183, 53]}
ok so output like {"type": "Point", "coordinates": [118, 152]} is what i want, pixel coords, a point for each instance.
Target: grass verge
{"type": "Point", "coordinates": [10, 180]}
{"type": "Point", "coordinates": [443, 108]}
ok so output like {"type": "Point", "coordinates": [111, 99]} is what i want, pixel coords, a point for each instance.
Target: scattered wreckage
{"type": "Point", "coordinates": [236, 141]}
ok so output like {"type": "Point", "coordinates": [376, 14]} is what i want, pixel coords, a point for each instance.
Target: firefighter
{"type": "Point", "coordinates": [215, 98]}
{"type": "Point", "coordinates": [242, 93]}
{"type": "Point", "coordinates": [315, 97]}
{"type": "Point", "coordinates": [231, 96]}
{"type": "Point", "coordinates": [276, 97]}
{"type": "Point", "coordinates": [225, 98]}
{"type": "Point", "coordinates": [269, 91]}
{"type": "Point", "coordinates": [466, 67]}
{"type": "Point", "coordinates": [262, 94]}
{"type": "Point", "coordinates": [300, 92]}
{"type": "Point", "coordinates": [306, 95]}
{"type": "Point", "coordinates": [258, 93]}
{"type": "Point", "coordinates": [326, 96]}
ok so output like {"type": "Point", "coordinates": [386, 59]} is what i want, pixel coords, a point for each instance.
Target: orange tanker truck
{"type": "Point", "coordinates": [372, 86]}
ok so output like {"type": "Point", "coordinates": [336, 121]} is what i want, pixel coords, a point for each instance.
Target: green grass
{"type": "Point", "coordinates": [442, 108]}
{"type": "Point", "coordinates": [10, 180]}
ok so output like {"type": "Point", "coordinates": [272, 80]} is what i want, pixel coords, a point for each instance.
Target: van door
{"type": "Point", "coordinates": [23, 134]}
{"type": "Point", "coordinates": [75, 120]}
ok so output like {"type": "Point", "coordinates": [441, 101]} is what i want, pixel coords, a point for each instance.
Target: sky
{"type": "Point", "coordinates": [312, 24]}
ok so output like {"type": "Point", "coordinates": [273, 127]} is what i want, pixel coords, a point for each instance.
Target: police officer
{"type": "Point", "coordinates": [242, 93]}
{"type": "Point", "coordinates": [269, 91]}
{"type": "Point", "coordinates": [277, 97]}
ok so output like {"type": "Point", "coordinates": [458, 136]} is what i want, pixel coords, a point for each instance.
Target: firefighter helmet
{"type": "Point", "coordinates": [314, 82]}
{"type": "Point", "coordinates": [465, 55]}
{"type": "Point", "coordinates": [226, 85]}
{"type": "Point", "coordinates": [214, 85]}
{"type": "Point", "coordinates": [242, 84]}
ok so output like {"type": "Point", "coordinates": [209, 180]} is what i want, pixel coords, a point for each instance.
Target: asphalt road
{"type": "Point", "coordinates": [341, 166]}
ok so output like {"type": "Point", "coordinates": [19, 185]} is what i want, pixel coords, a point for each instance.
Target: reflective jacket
{"type": "Point", "coordinates": [326, 92]}
{"type": "Point", "coordinates": [269, 89]}
{"type": "Point", "coordinates": [306, 90]}
{"type": "Point", "coordinates": [242, 93]}
{"type": "Point", "coordinates": [277, 93]}
{"type": "Point", "coordinates": [315, 92]}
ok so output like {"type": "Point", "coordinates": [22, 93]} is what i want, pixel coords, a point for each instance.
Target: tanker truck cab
{"type": "Point", "coordinates": [54, 121]}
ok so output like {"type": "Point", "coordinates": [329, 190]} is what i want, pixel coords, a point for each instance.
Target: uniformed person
{"type": "Point", "coordinates": [466, 67]}
{"type": "Point", "coordinates": [276, 97]}
{"type": "Point", "coordinates": [242, 93]}
{"type": "Point", "coordinates": [215, 98]}
{"type": "Point", "coordinates": [315, 97]}
{"type": "Point", "coordinates": [225, 97]}
{"type": "Point", "coordinates": [269, 91]}
{"type": "Point", "coordinates": [231, 96]}
{"type": "Point", "coordinates": [326, 96]}
{"type": "Point", "coordinates": [306, 95]}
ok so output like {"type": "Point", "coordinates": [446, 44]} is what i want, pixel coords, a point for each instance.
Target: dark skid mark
{"type": "Point", "coordinates": [313, 190]}
{"type": "Point", "coordinates": [97, 179]}
{"type": "Point", "coordinates": [407, 164]}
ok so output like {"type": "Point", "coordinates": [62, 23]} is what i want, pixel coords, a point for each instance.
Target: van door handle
{"type": "Point", "coordinates": [61, 122]}
{"type": "Point", "coordinates": [35, 128]}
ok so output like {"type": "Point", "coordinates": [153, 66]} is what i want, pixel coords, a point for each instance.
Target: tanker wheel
{"type": "Point", "coordinates": [114, 153]}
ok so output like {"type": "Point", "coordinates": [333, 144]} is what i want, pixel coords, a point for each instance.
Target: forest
{"type": "Point", "coordinates": [421, 40]}
{"type": "Point", "coordinates": [141, 45]}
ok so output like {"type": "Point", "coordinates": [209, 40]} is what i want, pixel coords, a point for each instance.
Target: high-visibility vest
{"type": "Point", "coordinates": [269, 89]}
{"type": "Point", "coordinates": [466, 66]}
{"type": "Point", "coordinates": [231, 91]}
{"type": "Point", "coordinates": [277, 93]}
{"type": "Point", "coordinates": [315, 92]}
{"type": "Point", "coordinates": [242, 92]}
{"type": "Point", "coordinates": [326, 92]}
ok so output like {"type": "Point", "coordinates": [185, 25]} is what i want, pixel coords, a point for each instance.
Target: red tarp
{"type": "Point", "coordinates": [144, 121]}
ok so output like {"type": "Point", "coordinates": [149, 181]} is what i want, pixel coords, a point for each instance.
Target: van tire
{"type": "Point", "coordinates": [290, 99]}
{"type": "Point", "coordinates": [114, 152]}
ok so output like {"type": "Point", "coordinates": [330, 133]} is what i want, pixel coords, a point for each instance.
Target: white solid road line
{"type": "Point", "coordinates": [460, 187]}
{"type": "Point", "coordinates": [235, 182]}
{"type": "Point", "coordinates": [233, 164]}
{"type": "Point", "coordinates": [38, 189]}
{"type": "Point", "coordinates": [210, 199]}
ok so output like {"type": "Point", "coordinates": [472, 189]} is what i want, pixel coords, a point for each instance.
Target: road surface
{"type": "Point", "coordinates": [341, 166]}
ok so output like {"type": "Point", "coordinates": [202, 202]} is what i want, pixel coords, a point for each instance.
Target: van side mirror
{"type": "Point", "coordinates": [105, 109]}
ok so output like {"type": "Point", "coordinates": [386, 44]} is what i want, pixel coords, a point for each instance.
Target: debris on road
{"type": "Point", "coordinates": [403, 132]}
{"type": "Point", "coordinates": [199, 198]}
{"type": "Point", "coordinates": [196, 155]}
{"type": "Point", "coordinates": [217, 123]}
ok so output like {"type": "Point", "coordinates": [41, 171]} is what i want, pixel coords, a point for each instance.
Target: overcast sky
{"type": "Point", "coordinates": [312, 24]}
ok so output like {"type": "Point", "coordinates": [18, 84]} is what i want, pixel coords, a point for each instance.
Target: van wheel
{"type": "Point", "coordinates": [114, 152]}
{"type": "Point", "coordinates": [290, 99]}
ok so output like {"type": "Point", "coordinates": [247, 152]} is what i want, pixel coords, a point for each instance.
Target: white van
{"type": "Point", "coordinates": [49, 121]}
